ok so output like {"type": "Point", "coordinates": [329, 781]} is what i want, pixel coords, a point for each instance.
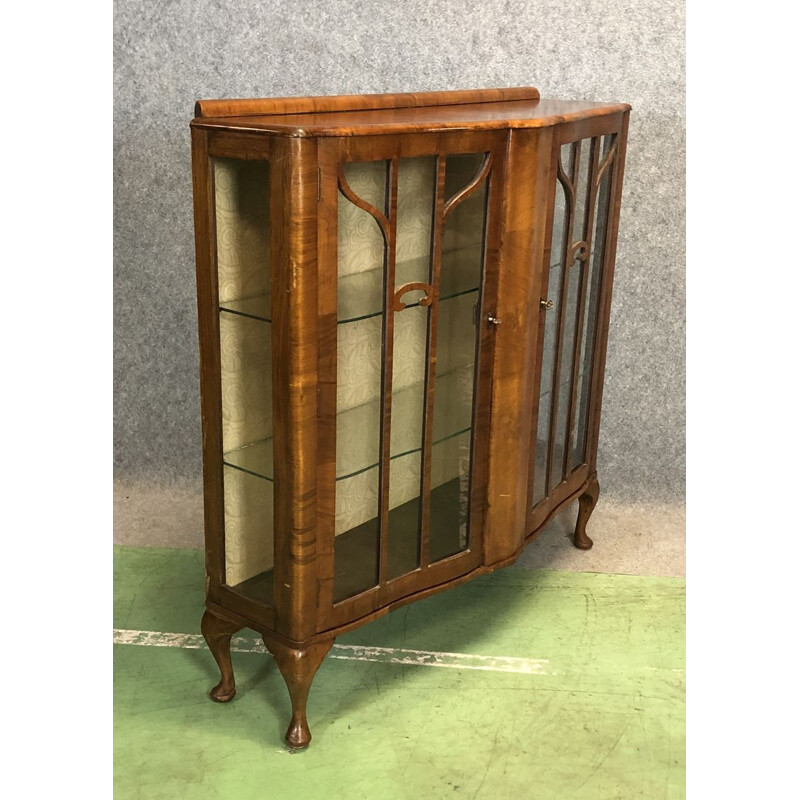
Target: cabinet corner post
{"type": "Point", "coordinates": [295, 357]}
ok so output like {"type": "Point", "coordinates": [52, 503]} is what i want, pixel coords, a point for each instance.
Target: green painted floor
{"type": "Point", "coordinates": [600, 716]}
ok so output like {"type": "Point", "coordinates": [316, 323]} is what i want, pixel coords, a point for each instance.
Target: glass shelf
{"type": "Point", "coordinates": [360, 296]}
{"type": "Point", "coordinates": [257, 307]}
{"type": "Point", "coordinates": [257, 458]}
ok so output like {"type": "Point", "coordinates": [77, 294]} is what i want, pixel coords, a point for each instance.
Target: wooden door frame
{"type": "Point", "coordinates": [332, 151]}
{"type": "Point", "coordinates": [566, 490]}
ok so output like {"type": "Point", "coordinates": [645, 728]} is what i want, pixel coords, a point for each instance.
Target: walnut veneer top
{"type": "Point", "coordinates": [487, 109]}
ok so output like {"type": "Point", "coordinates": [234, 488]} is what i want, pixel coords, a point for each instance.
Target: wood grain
{"type": "Point", "coordinates": [298, 667]}
{"type": "Point", "coordinates": [333, 152]}
{"type": "Point", "coordinates": [481, 116]}
{"type": "Point", "coordinates": [586, 503]}
{"type": "Point", "coordinates": [522, 227]}
{"type": "Point", "coordinates": [294, 362]}
{"type": "Point", "coordinates": [217, 631]}
{"type": "Point", "coordinates": [357, 102]}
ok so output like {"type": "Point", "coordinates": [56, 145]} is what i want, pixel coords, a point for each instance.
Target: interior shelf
{"type": "Point", "coordinates": [256, 307]}
{"type": "Point", "coordinates": [255, 458]}
{"type": "Point", "coordinates": [360, 295]}
{"type": "Point", "coordinates": [453, 419]}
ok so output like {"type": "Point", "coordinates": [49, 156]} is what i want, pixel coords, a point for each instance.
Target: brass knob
{"type": "Point", "coordinates": [545, 305]}
{"type": "Point", "coordinates": [493, 320]}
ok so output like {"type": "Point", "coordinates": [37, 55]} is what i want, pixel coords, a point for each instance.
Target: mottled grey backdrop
{"type": "Point", "coordinates": [168, 53]}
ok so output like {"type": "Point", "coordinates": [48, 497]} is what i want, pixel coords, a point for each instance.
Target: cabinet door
{"type": "Point", "coordinates": [575, 281]}
{"type": "Point", "coordinates": [407, 240]}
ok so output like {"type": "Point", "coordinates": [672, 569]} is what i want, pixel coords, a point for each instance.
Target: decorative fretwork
{"type": "Point", "coordinates": [395, 301]}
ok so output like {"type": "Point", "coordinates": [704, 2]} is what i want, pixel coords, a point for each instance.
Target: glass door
{"type": "Point", "coordinates": [571, 288]}
{"type": "Point", "coordinates": [412, 239]}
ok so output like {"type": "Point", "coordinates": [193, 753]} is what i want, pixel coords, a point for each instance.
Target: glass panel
{"type": "Point", "coordinates": [416, 190]}
{"type": "Point", "coordinates": [579, 172]}
{"type": "Point", "coordinates": [555, 259]}
{"type": "Point", "coordinates": [595, 266]}
{"type": "Point", "coordinates": [450, 474]}
{"type": "Point", "coordinates": [361, 382]}
{"type": "Point", "coordinates": [246, 371]}
{"type": "Point", "coordinates": [368, 180]}
{"type": "Point", "coordinates": [357, 542]}
{"type": "Point", "coordinates": [581, 188]}
{"type": "Point", "coordinates": [360, 300]}
{"type": "Point", "coordinates": [361, 244]}
{"type": "Point", "coordinates": [408, 380]}
{"type": "Point", "coordinates": [241, 192]}
{"type": "Point", "coordinates": [358, 397]}
{"type": "Point", "coordinates": [565, 374]}
{"type": "Point", "coordinates": [357, 453]}
{"type": "Point", "coordinates": [248, 534]}
{"type": "Point", "coordinates": [405, 507]}
{"type": "Point", "coordinates": [462, 169]}
{"type": "Point", "coordinates": [463, 243]}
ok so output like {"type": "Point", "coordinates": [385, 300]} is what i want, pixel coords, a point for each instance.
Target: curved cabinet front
{"type": "Point", "coordinates": [405, 352]}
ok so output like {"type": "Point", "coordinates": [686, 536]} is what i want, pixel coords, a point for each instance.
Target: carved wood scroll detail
{"type": "Point", "coordinates": [380, 217]}
{"type": "Point", "coordinates": [470, 188]}
{"type": "Point", "coordinates": [399, 305]}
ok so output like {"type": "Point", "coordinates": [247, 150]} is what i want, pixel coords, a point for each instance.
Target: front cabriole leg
{"type": "Point", "coordinates": [586, 503]}
{"type": "Point", "coordinates": [298, 668]}
{"type": "Point", "coordinates": [217, 632]}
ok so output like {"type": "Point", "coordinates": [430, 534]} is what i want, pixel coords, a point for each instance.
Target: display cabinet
{"type": "Point", "coordinates": [403, 307]}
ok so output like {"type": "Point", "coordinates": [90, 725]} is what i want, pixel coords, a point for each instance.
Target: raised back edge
{"type": "Point", "coordinates": [357, 102]}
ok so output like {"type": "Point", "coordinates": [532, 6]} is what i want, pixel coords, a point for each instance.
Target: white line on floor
{"type": "Point", "coordinates": [350, 652]}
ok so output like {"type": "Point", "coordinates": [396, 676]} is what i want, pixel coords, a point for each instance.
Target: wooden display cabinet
{"type": "Point", "coordinates": [403, 305]}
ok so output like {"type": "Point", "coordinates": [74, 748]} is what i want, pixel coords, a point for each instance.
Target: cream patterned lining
{"type": "Point", "coordinates": [242, 214]}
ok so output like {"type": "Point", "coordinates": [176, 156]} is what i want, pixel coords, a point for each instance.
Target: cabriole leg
{"type": "Point", "coordinates": [586, 503]}
{"type": "Point", "coordinates": [217, 632]}
{"type": "Point", "coordinates": [298, 668]}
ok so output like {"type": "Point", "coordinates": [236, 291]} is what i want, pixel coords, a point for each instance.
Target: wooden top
{"type": "Point", "coordinates": [354, 115]}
